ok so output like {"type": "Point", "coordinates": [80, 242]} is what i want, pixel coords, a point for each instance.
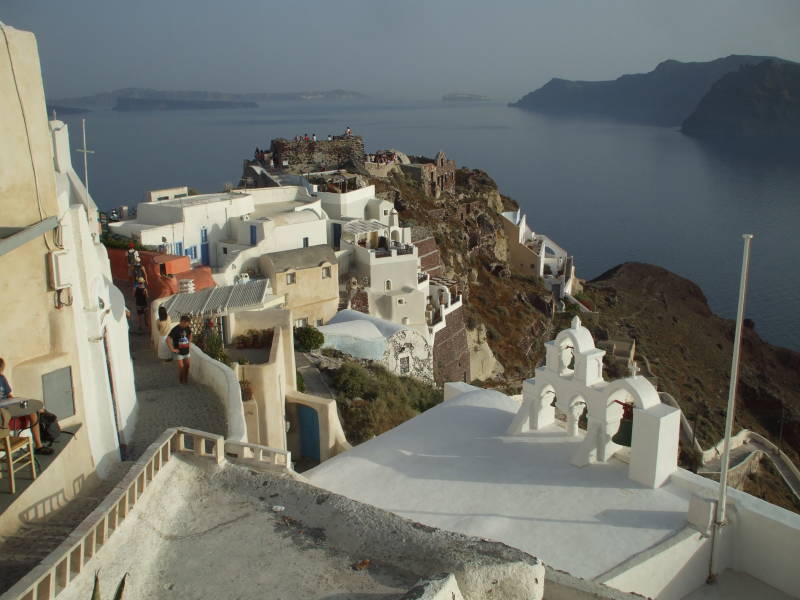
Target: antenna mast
{"type": "Point", "coordinates": [85, 152]}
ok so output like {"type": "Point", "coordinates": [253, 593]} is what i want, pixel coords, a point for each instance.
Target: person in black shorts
{"type": "Point", "coordinates": [178, 341]}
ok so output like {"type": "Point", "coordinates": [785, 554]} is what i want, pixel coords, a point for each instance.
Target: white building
{"type": "Point", "coordinates": [484, 465]}
{"type": "Point", "coordinates": [360, 204]}
{"type": "Point", "coordinates": [190, 225]}
{"type": "Point", "coordinates": [536, 254]}
{"type": "Point", "coordinates": [402, 350]}
{"type": "Point", "coordinates": [386, 265]}
{"type": "Point", "coordinates": [228, 231]}
{"type": "Point", "coordinates": [63, 328]}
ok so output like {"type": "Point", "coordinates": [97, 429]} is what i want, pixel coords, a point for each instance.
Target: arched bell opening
{"type": "Point", "coordinates": [619, 417]}
{"type": "Point", "coordinates": [566, 362]}
{"type": "Point", "coordinates": [543, 410]}
{"type": "Point", "coordinates": [577, 411]}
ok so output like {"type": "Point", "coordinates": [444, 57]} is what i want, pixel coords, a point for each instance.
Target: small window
{"type": "Point", "coordinates": [319, 322]}
{"type": "Point", "coordinates": [326, 272]}
{"type": "Point", "coordinates": [401, 300]}
{"type": "Point", "coordinates": [301, 322]}
{"type": "Point", "coordinates": [385, 212]}
{"type": "Point", "coordinates": [291, 278]}
{"type": "Point", "coordinates": [388, 285]}
{"type": "Point", "coordinates": [405, 365]}
{"type": "Point", "coordinates": [305, 242]}
{"type": "Point", "coordinates": [224, 250]}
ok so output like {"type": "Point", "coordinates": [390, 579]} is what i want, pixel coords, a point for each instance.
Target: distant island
{"type": "Point", "coordinates": [130, 104]}
{"type": "Point", "coordinates": [665, 96]}
{"type": "Point", "coordinates": [760, 100]}
{"type": "Point", "coordinates": [111, 99]}
{"type": "Point", "coordinates": [464, 97]}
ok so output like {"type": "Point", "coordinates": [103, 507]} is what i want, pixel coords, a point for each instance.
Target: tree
{"type": "Point", "coordinates": [308, 338]}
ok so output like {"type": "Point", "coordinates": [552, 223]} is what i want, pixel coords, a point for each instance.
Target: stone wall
{"type": "Point", "coordinates": [451, 350]}
{"type": "Point", "coordinates": [429, 258]}
{"type": "Point", "coordinates": [435, 177]}
{"type": "Point", "coordinates": [322, 155]}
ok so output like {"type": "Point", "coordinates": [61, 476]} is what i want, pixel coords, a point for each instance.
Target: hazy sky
{"type": "Point", "coordinates": [406, 49]}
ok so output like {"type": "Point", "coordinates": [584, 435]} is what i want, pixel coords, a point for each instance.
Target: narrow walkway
{"type": "Point", "coordinates": [752, 446]}
{"type": "Point", "coordinates": [163, 402]}
{"type": "Point", "coordinates": [314, 380]}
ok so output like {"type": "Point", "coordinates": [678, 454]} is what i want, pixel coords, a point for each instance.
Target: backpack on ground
{"type": "Point", "coordinates": [49, 428]}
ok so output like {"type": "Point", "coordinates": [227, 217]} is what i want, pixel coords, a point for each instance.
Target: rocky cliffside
{"type": "Point", "coordinates": [755, 101]}
{"type": "Point", "coordinates": [664, 96]}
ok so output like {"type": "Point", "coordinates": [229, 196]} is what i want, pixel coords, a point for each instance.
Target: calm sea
{"type": "Point", "coordinates": [608, 192]}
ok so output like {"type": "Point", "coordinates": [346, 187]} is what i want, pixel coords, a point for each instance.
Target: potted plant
{"type": "Point", "coordinates": [247, 390]}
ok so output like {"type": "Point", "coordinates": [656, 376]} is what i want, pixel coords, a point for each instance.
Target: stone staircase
{"type": "Point", "coordinates": [32, 542]}
{"type": "Point", "coordinates": [162, 403]}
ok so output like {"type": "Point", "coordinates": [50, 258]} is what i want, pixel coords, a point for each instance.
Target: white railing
{"type": "Point", "coordinates": [60, 567]}
{"type": "Point", "coordinates": [259, 454]}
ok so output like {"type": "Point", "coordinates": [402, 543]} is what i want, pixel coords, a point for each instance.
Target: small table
{"type": "Point", "coordinates": [15, 410]}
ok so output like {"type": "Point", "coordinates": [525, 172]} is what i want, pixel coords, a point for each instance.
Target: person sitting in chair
{"type": "Point", "coordinates": [31, 420]}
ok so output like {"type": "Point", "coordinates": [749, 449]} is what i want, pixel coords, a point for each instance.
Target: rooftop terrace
{"type": "Point", "coordinates": [454, 467]}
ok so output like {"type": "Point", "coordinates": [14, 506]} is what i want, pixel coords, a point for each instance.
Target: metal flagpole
{"type": "Point", "coordinates": [719, 520]}
{"type": "Point", "coordinates": [85, 160]}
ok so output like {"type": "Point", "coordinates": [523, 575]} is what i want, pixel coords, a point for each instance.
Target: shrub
{"type": "Point", "coordinates": [211, 343]}
{"type": "Point", "coordinates": [301, 383]}
{"type": "Point", "coordinates": [373, 400]}
{"type": "Point", "coordinates": [308, 338]}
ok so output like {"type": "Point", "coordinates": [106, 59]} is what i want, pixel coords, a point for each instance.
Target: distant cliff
{"type": "Point", "coordinates": [664, 96]}
{"type": "Point", "coordinates": [110, 99]}
{"type": "Point", "coordinates": [760, 100]}
{"type": "Point", "coordinates": [127, 104]}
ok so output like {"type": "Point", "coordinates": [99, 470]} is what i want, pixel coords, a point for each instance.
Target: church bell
{"type": "Point", "coordinates": [624, 433]}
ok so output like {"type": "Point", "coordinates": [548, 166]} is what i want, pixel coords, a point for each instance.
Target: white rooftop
{"type": "Point", "coordinates": [187, 201]}
{"type": "Point", "coordinates": [352, 318]}
{"type": "Point", "coordinates": [362, 226]}
{"type": "Point", "coordinates": [453, 467]}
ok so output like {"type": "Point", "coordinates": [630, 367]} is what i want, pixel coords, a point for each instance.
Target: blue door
{"type": "Point", "coordinates": [179, 248]}
{"type": "Point", "coordinates": [309, 431]}
{"type": "Point", "coordinates": [337, 235]}
{"type": "Point", "coordinates": [205, 256]}
{"type": "Point", "coordinates": [253, 235]}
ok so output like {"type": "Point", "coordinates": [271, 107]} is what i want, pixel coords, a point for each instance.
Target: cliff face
{"type": "Point", "coordinates": [664, 96]}
{"type": "Point", "coordinates": [760, 100]}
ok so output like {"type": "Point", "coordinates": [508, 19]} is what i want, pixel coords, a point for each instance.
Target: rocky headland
{"type": "Point", "coordinates": [755, 101]}
{"type": "Point", "coordinates": [665, 96]}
